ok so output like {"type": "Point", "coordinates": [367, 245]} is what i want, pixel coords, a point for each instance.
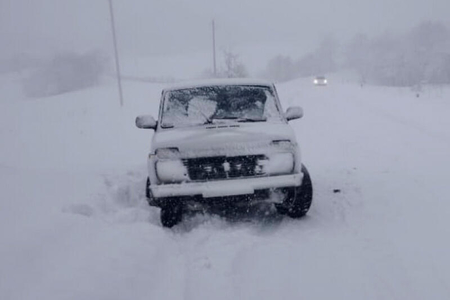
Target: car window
{"type": "Point", "coordinates": [213, 104]}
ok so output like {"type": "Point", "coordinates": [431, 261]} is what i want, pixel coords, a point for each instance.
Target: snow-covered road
{"type": "Point", "coordinates": [74, 223]}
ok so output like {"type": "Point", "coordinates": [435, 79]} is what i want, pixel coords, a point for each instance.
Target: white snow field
{"type": "Point", "coordinates": [74, 223]}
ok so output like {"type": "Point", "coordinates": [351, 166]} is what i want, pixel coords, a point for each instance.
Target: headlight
{"type": "Point", "coordinates": [325, 81]}
{"type": "Point", "coordinates": [173, 171]}
{"type": "Point", "coordinates": [316, 81]}
{"type": "Point", "coordinates": [169, 167]}
{"type": "Point", "coordinates": [278, 163]}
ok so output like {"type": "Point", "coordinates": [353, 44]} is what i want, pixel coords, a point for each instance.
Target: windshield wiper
{"type": "Point", "coordinates": [225, 118]}
{"type": "Point", "coordinates": [238, 119]}
{"type": "Point", "coordinates": [251, 120]}
{"type": "Point", "coordinates": [207, 120]}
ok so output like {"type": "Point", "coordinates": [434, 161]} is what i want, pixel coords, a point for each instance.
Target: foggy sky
{"type": "Point", "coordinates": [149, 27]}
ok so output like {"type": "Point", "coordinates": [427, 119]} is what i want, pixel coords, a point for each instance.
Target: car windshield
{"type": "Point", "coordinates": [217, 104]}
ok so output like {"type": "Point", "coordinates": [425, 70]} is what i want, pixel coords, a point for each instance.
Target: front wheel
{"type": "Point", "coordinates": [298, 200]}
{"type": "Point", "coordinates": [171, 215]}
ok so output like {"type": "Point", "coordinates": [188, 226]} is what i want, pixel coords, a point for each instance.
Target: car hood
{"type": "Point", "coordinates": [222, 138]}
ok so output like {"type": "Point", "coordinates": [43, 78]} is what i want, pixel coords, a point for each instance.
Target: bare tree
{"type": "Point", "coordinates": [233, 66]}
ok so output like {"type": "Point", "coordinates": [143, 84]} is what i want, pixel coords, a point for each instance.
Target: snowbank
{"type": "Point", "coordinates": [74, 223]}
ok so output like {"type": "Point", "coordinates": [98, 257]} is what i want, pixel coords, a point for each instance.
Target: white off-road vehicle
{"type": "Point", "coordinates": [224, 144]}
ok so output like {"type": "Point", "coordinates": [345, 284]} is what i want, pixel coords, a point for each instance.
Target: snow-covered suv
{"type": "Point", "coordinates": [224, 143]}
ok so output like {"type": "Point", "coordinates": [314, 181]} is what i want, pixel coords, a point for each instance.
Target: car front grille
{"type": "Point", "coordinates": [223, 167]}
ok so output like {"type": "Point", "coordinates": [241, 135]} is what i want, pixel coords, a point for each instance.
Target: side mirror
{"type": "Point", "coordinates": [146, 122]}
{"type": "Point", "coordinates": [294, 112]}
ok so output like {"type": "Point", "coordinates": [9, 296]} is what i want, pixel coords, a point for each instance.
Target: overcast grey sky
{"type": "Point", "coordinates": [148, 27]}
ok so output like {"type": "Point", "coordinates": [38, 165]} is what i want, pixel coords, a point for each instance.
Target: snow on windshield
{"type": "Point", "coordinates": [213, 104]}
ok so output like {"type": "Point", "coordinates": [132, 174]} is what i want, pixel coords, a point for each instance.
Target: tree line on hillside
{"type": "Point", "coordinates": [419, 56]}
{"type": "Point", "coordinates": [61, 73]}
{"type": "Point", "coordinates": [64, 73]}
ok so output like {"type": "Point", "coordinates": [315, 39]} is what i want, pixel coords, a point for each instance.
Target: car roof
{"type": "Point", "coordinates": [218, 82]}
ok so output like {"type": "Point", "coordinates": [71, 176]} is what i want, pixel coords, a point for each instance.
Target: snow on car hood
{"type": "Point", "coordinates": [223, 139]}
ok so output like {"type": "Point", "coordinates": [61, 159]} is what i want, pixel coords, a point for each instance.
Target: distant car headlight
{"type": "Point", "coordinates": [278, 163]}
{"type": "Point", "coordinates": [316, 81]}
{"type": "Point", "coordinates": [172, 171]}
{"type": "Point", "coordinates": [325, 81]}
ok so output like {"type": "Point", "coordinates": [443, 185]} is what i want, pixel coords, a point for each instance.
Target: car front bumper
{"type": "Point", "coordinates": [223, 188]}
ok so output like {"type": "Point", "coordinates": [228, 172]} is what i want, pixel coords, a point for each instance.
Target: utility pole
{"type": "Point", "coordinates": [116, 52]}
{"type": "Point", "coordinates": [214, 47]}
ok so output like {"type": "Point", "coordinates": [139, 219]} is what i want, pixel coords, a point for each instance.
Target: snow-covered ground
{"type": "Point", "coordinates": [74, 223]}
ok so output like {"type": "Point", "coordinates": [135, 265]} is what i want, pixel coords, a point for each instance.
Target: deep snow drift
{"type": "Point", "coordinates": [74, 223]}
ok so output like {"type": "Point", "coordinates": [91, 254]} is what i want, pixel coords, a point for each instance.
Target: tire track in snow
{"type": "Point", "coordinates": [206, 256]}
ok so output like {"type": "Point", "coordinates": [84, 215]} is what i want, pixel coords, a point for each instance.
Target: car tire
{"type": "Point", "coordinates": [298, 199]}
{"type": "Point", "coordinates": [147, 189]}
{"type": "Point", "coordinates": [148, 194]}
{"type": "Point", "coordinates": [171, 214]}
